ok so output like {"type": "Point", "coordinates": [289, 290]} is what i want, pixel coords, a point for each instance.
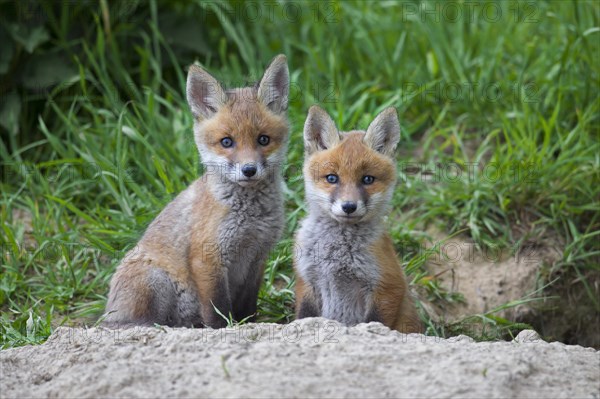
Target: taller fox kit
{"type": "Point", "coordinates": [346, 266]}
{"type": "Point", "coordinates": [208, 247]}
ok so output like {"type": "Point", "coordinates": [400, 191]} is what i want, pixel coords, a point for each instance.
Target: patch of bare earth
{"type": "Point", "coordinates": [490, 278]}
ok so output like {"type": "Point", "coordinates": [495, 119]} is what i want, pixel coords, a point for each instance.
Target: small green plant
{"type": "Point", "coordinates": [229, 318]}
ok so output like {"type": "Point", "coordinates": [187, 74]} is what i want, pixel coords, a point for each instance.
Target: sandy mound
{"type": "Point", "coordinates": [307, 358]}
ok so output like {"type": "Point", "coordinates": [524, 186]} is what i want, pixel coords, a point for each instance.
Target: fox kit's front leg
{"type": "Point", "coordinates": [213, 289]}
{"type": "Point", "coordinates": [307, 304]}
{"type": "Point", "coordinates": [245, 306]}
{"type": "Point", "coordinates": [210, 277]}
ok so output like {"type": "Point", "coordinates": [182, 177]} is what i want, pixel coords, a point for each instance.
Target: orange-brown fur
{"type": "Point", "coordinates": [205, 263]}
{"type": "Point", "coordinates": [392, 298]}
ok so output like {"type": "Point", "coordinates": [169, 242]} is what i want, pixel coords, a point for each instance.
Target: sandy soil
{"type": "Point", "coordinates": [307, 358]}
{"type": "Point", "coordinates": [486, 279]}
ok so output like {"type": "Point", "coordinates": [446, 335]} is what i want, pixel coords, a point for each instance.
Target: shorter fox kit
{"type": "Point", "coordinates": [208, 247]}
{"type": "Point", "coordinates": [346, 266]}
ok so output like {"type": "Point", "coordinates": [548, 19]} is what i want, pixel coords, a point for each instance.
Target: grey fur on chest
{"type": "Point", "coordinates": [335, 260]}
{"type": "Point", "coordinates": [252, 225]}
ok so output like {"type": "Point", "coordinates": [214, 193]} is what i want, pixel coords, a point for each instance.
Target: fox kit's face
{"type": "Point", "coordinates": [350, 176]}
{"type": "Point", "coordinates": [244, 142]}
{"type": "Point", "coordinates": [241, 134]}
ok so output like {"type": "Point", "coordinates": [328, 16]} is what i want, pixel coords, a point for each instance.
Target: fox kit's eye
{"type": "Point", "coordinates": [332, 179]}
{"type": "Point", "coordinates": [263, 140]}
{"type": "Point", "coordinates": [368, 180]}
{"type": "Point", "coordinates": [226, 142]}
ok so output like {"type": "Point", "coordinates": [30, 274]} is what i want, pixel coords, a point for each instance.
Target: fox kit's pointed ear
{"type": "Point", "coordinates": [383, 133]}
{"type": "Point", "coordinates": [204, 94]}
{"type": "Point", "coordinates": [274, 86]}
{"type": "Point", "coordinates": [320, 132]}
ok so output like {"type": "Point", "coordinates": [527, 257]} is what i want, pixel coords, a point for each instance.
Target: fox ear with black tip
{"type": "Point", "coordinates": [320, 132]}
{"type": "Point", "coordinates": [383, 133]}
{"type": "Point", "coordinates": [274, 86]}
{"type": "Point", "coordinates": [205, 95]}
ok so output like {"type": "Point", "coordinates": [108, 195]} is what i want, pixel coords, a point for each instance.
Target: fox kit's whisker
{"type": "Point", "coordinates": [194, 263]}
{"type": "Point", "coordinates": [346, 266]}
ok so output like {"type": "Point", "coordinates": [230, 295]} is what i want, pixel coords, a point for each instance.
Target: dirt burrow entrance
{"type": "Point", "coordinates": [490, 278]}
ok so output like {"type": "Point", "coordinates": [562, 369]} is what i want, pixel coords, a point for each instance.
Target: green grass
{"type": "Point", "coordinates": [91, 159]}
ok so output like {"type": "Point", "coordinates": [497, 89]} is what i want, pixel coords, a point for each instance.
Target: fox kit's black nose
{"type": "Point", "coordinates": [249, 170]}
{"type": "Point", "coordinates": [349, 207]}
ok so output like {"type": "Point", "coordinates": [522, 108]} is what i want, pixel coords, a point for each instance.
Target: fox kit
{"type": "Point", "coordinates": [208, 247]}
{"type": "Point", "coordinates": [346, 266]}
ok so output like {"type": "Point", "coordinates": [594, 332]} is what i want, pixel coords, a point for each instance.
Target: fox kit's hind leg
{"type": "Point", "coordinates": [140, 295]}
{"type": "Point", "coordinates": [143, 294]}
{"type": "Point", "coordinates": [408, 319]}
{"type": "Point", "coordinates": [172, 303]}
